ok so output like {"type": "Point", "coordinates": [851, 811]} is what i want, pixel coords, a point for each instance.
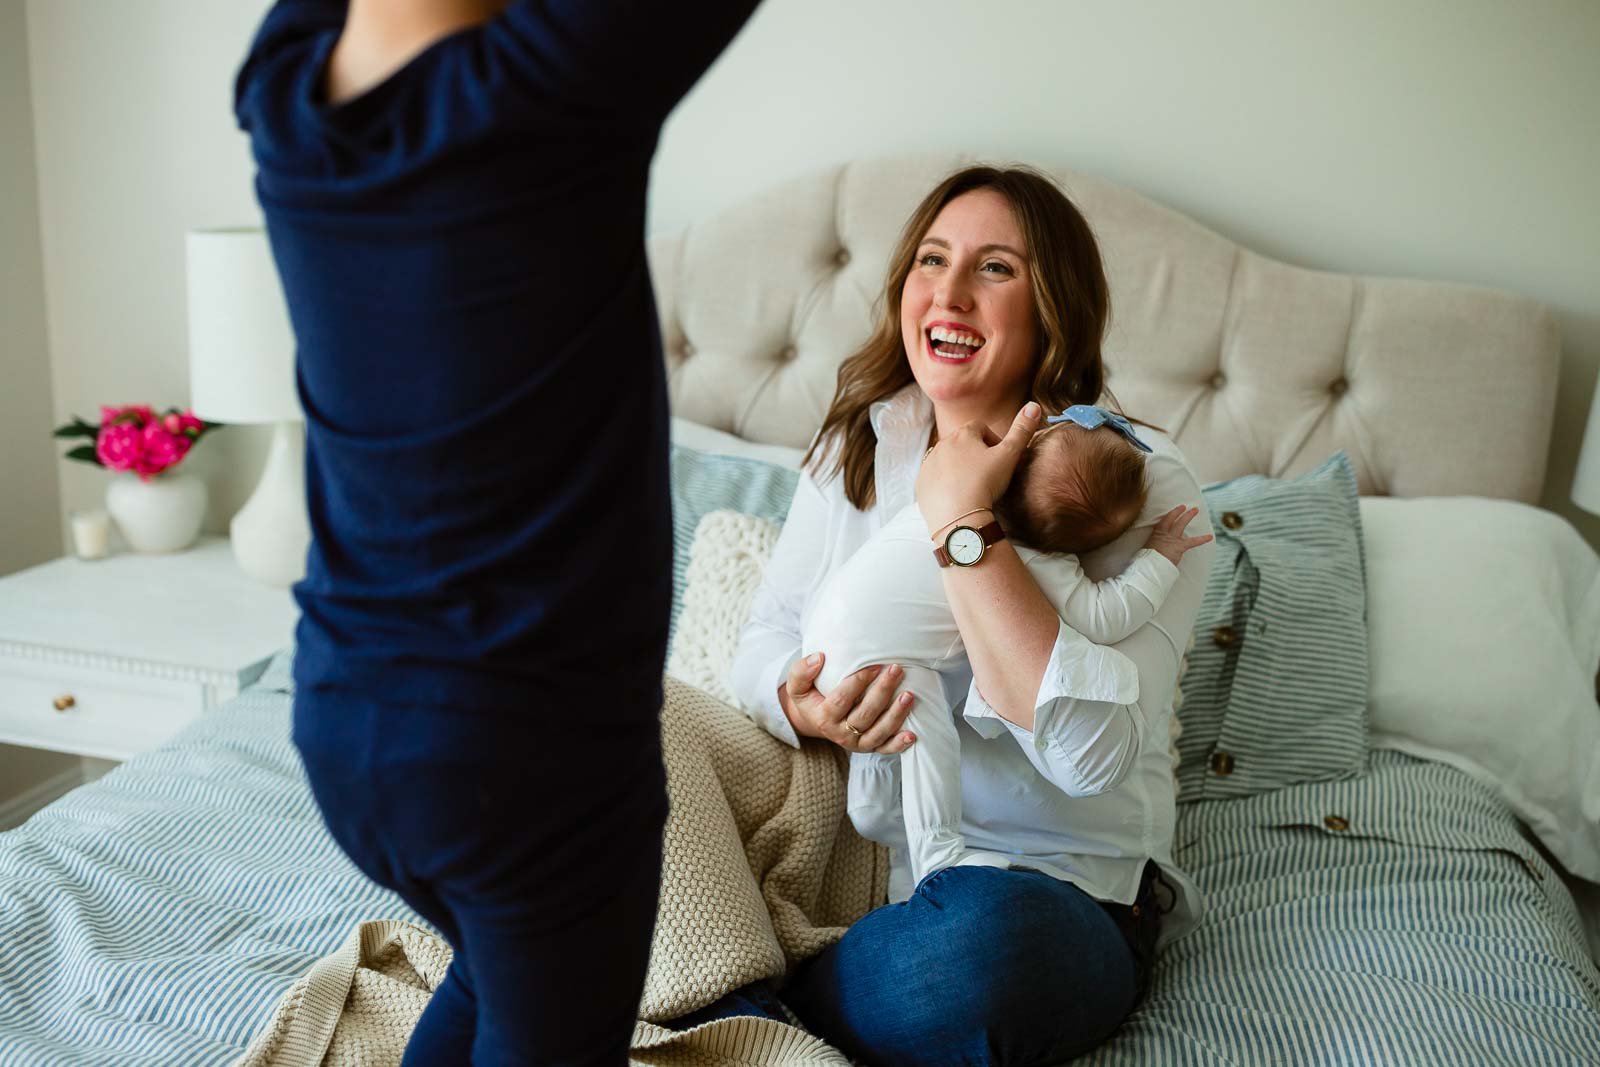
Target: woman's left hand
{"type": "Point", "coordinates": [971, 468]}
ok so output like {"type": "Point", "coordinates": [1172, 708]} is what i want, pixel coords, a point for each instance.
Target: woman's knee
{"type": "Point", "coordinates": [1028, 924]}
{"type": "Point", "coordinates": [984, 965]}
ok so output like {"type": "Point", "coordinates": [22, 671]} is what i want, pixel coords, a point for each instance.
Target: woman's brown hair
{"type": "Point", "coordinates": [1071, 305]}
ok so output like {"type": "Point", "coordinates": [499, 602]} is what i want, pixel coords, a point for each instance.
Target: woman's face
{"type": "Point", "coordinates": [966, 311]}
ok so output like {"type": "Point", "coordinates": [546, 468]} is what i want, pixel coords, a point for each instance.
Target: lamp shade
{"type": "Point", "coordinates": [1586, 483]}
{"type": "Point", "coordinates": [241, 346]}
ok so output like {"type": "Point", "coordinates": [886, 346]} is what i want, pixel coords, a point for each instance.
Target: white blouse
{"type": "Point", "coordinates": [1087, 795]}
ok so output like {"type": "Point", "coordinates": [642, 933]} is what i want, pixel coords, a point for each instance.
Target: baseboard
{"type": "Point", "coordinates": [21, 807]}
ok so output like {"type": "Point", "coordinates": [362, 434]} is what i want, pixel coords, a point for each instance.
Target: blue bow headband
{"type": "Point", "coordinates": [1092, 418]}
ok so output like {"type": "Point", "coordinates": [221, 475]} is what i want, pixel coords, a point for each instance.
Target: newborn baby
{"type": "Point", "coordinates": [1079, 486]}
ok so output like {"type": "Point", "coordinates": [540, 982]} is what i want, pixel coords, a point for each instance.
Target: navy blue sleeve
{"type": "Point", "coordinates": [625, 58]}
{"type": "Point", "coordinates": [570, 68]}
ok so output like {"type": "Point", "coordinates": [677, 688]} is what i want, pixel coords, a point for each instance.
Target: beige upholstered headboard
{"type": "Point", "coordinates": [1253, 365]}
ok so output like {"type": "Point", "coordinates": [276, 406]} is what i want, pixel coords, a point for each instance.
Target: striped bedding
{"type": "Point", "coordinates": [156, 915]}
{"type": "Point", "coordinates": [1396, 918]}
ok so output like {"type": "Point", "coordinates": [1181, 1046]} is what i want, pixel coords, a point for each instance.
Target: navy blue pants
{"type": "Point", "coordinates": [538, 859]}
{"type": "Point", "coordinates": [979, 966]}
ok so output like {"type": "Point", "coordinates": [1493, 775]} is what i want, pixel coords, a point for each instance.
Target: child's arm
{"type": "Point", "coordinates": [1107, 611]}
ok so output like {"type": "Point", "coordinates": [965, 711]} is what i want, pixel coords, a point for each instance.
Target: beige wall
{"type": "Point", "coordinates": [30, 527]}
{"type": "Point", "coordinates": [1449, 139]}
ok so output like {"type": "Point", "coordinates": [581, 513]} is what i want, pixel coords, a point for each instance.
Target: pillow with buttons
{"type": "Point", "coordinates": [1276, 686]}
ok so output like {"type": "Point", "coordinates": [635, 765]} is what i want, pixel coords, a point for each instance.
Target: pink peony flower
{"type": "Point", "coordinates": [140, 414]}
{"type": "Point", "coordinates": [161, 449]}
{"type": "Point", "coordinates": [119, 447]}
{"type": "Point", "coordinates": [133, 437]}
{"type": "Point", "coordinates": [181, 422]}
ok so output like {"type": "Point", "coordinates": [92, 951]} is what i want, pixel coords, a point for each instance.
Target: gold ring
{"type": "Point", "coordinates": [852, 729]}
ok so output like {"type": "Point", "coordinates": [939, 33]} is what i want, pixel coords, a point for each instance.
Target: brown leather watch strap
{"type": "Point", "coordinates": [990, 534]}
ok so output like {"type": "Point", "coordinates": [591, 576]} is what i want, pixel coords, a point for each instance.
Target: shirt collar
{"type": "Point", "coordinates": [901, 424]}
{"type": "Point", "coordinates": [907, 409]}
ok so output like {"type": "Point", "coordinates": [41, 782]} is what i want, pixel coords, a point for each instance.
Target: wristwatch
{"type": "Point", "coordinates": [964, 546]}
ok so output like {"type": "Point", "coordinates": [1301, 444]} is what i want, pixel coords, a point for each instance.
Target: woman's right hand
{"type": "Point", "coordinates": [866, 700]}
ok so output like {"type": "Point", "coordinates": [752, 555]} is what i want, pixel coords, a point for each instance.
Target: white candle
{"type": "Point", "coordinates": [91, 533]}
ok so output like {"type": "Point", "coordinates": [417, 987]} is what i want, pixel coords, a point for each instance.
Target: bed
{"type": "Point", "coordinates": [1407, 915]}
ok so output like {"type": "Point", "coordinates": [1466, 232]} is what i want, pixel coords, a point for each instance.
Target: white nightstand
{"type": "Point", "coordinates": [109, 657]}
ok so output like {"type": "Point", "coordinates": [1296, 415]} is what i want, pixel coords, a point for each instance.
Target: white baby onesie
{"type": "Point", "coordinates": [886, 604]}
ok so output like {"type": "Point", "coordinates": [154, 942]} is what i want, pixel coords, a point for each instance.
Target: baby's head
{"type": "Point", "coordinates": [1073, 490]}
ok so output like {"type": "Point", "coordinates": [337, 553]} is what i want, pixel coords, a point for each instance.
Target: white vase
{"type": "Point", "coordinates": [161, 515]}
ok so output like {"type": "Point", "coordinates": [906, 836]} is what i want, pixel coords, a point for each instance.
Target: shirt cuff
{"type": "Point", "coordinates": [1162, 569]}
{"type": "Point", "coordinates": [983, 719]}
{"type": "Point", "coordinates": [1078, 669]}
{"type": "Point", "coordinates": [769, 714]}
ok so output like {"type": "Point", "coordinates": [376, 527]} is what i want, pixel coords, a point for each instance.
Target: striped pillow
{"type": "Point", "coordinates": [703, 482]}
{"type": "Point", "coordinates": [1276, 689]}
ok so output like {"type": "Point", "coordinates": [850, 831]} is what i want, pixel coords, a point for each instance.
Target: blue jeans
{"type": "Point", "coordinates": [980, 965]}
{"type": "Point", "coordinates": [541, 871]}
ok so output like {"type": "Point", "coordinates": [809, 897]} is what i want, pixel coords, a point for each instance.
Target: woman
{"type": "Point", "coordinates": [1065, 765]}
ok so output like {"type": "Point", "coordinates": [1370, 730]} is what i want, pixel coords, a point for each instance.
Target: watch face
{"type": "Point", "coordinates": [965, 545]}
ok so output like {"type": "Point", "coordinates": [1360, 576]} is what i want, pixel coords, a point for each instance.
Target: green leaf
{"type": "Point", "coordinates": [85, 452]}
{"type": "Point", "coordinates": [78, 428]}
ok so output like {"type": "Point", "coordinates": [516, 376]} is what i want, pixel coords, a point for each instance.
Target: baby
{"type": "Point", "coordinates": [1079, 486]}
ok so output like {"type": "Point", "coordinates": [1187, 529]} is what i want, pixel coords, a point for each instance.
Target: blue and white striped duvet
{"type": "Point", "coordinates": [155, 917]}
{"type": "Point", "coordinates": [1396, 918]}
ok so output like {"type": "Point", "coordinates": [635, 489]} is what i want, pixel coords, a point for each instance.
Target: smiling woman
{"type": "Point", "coordinates": [1040, 939]}
{"type": "Point", "coordinates": [997, 258]}
{"type": "Point", "coordinates": [966, 312]}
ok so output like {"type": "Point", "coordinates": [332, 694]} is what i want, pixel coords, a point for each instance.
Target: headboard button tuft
{"type": "Point", "coordinates": [842, 257]}
{"type": "Point", "coordinates": [1338, 387]}
{"type": "Point", "coordinates": [1218, 380]}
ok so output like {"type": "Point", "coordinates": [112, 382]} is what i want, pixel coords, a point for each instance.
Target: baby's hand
{"type": "Point", "coordinates": [1166, 537]}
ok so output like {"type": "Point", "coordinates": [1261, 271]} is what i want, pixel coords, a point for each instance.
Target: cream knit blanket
{"type": "Point", "coordinates": [760, 869]}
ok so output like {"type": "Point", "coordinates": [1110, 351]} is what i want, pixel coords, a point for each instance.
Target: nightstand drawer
{"type": "Point", "coordinates": [105, 713]}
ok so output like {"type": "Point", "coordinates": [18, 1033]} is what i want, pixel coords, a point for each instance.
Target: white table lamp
{"type": "Point", "coordinates": [241, 370]}
{"type": "Point", "coordinates": [1586, 483]}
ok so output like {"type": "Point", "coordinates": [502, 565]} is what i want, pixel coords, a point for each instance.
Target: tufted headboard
{"type": "Point", "coordinates": [1252, 365]}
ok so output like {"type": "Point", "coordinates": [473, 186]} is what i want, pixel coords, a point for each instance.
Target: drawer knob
{"type": "Point", "coordinates": [64, 702]}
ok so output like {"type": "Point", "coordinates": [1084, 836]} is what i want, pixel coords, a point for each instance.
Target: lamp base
{"type": "Point", "coordinates": [272, 533]}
